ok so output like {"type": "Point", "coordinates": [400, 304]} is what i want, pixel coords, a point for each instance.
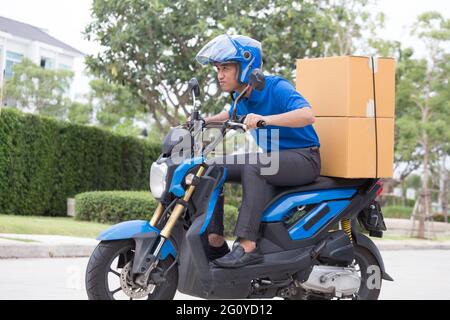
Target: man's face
{"type": "Point", "coordinates": [226, 74]}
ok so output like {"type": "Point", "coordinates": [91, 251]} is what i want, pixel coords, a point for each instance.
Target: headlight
{"type": "Point", "coordinates": [158, 175]}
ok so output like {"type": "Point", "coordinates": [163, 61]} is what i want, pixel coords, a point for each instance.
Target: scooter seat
{"type": "Point", "coordinates": [322, 183]}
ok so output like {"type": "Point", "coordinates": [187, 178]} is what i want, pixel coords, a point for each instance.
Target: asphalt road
{"type": "Point", "coordinates": [422, 274]}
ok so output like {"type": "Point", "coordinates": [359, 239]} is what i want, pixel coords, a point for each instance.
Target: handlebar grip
{"type": "Point", "coordinates": [261, 124]}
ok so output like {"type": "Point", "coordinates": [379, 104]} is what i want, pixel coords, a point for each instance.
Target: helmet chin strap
{"type": "Point", "coordinates": [246, 70]}
{"type": "Point", "coordinates": [238, 72]}
{"type": "Point", "coordinates": [233, 116]}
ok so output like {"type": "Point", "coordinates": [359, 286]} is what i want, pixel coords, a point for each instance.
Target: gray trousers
{"type": "Point", "coordinates": [296, 167]}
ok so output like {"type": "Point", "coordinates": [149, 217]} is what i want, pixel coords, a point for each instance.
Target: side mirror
{"type": "Point", "coordinates": [193, 86]}
{"type": "Point", "coordinates": [257, 80]}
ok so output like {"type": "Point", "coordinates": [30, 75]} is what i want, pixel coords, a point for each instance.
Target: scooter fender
{"type": "Point", "coordinates": [365, 242]}
{"type": "Point", "coordinates": [142, 233]}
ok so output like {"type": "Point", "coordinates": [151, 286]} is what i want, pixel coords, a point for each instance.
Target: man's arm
{"type": "Point", "coordinates": [223, 116]}
{"type": "Point", "coordinates": [293, 119]}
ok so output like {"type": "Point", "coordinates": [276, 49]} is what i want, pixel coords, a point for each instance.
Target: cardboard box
{"type": "Point", "coordinates": [343, 86]}
{"type": "Point", "coordinates": [348, 147]}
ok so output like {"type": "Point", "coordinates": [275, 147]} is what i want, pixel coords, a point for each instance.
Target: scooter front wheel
{"type": "Point", "coordinates": [108, 274]}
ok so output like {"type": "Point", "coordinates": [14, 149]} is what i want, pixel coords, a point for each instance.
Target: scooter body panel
{"type": "Point", "coordinates": [133, 229]}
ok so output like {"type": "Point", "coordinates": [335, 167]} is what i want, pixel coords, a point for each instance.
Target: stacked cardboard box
{"type": "Point", "coordinates": [353, 99]}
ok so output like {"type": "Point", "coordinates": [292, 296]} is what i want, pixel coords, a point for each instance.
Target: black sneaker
{"type": "Point", "coordinates": [217, 252]}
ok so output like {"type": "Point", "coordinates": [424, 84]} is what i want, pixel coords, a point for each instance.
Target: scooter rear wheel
{"type": "Point", "coordinates": [370, 273]}
{"type": "Point", "coordinates": [366, 264]}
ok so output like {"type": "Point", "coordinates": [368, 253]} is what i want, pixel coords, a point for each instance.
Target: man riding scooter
{"type": "Point", "coordinates": [297, 235]}
{"type": "Point", "coordinates": [284, 111]}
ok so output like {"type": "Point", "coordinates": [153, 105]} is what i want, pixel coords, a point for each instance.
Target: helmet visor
{"type": "Point", "coordinates": [220, 49]}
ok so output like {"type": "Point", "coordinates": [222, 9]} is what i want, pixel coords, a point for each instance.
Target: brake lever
{"type": "Point", "coordinates": [233, 125]}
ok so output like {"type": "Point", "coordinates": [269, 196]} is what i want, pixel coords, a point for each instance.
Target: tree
{"type": "Point", "coordinates": [114, 104]}
{"type": "Point", "coordinates": [422, 135]}
{"type": "Point", "coordinates": [351, 18]}
{"type": "Point", "coordinates": [80, 113]}
{"type": "Point", "coordinates": [109, 106]}
{"type": "Point", "coordinates": [40, 90]}
{"type": "Point", "coordinates": [428, 111]}
{"type": "Point", "coordinates": [150, 45]}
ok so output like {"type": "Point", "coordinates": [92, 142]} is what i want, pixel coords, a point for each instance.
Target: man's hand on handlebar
{"type": "Point", "coordinates": [252, 121]}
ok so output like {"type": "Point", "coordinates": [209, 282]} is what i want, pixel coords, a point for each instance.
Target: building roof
{"type": "Point", "coordinates": [33, 33]}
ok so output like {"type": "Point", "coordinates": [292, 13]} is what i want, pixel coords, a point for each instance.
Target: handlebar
{"type": "Point", "coordinates": [219, 125]}
{"type": "Point", "coordinates": [235, 125]}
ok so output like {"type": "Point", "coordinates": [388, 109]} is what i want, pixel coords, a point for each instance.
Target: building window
{"type": "Point", "coordinates": [47, 63]}
{"type": "Point", "coordinates": [12, 58]}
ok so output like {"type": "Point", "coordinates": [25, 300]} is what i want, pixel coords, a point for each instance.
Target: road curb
{"type": "Point", "coordinates": [412, 246]}
{"type": "Point", "coordinates": [13, 251]}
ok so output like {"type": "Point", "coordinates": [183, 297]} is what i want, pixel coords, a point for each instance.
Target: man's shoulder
{"type": "Point", "coordinates": [273, 79]}
{"type": "Point", "coordinates": [278, 83]}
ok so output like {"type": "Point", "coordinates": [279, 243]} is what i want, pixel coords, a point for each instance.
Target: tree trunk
{"type": "Point", "coordinates": [443, 189]}
{"type": "Point", "coordinates": [154, 106]}
{"type": "Point", "coordinates": [424, 211]}
{"type": "Point", "coordinates": [425, 193]}
{"type": "Point", "coordinates": [403, 193]}
{"type": "Point", "coordinates": [157, 121]}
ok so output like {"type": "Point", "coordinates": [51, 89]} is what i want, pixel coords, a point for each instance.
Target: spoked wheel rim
{"type": "Point", "coordinates": [114, 274]}
{"type": "Point", "coordinates": [116, 277]}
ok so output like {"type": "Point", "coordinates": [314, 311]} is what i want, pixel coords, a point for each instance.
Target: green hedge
{"type": "Point", "coordinates": [230, 219]}
{"type": "Point", "coordinates": [397, 212]}
{"type": "Point", "coordinates": [44, 161]}
{"type": "Point", "coordinates": [114, 206]}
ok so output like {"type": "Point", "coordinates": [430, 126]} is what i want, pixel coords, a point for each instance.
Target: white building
{"type": "Point", "coordinates": [20, 40]}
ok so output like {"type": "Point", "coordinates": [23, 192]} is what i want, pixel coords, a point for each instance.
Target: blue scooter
{"type": "Point", "coordinates": [310, 236]}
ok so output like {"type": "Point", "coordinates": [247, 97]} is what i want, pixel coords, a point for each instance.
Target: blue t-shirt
{"type": "Point", "coordinates": [278, 96]}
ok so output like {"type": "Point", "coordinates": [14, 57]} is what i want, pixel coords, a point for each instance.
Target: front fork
{"type": "Point", "coordinates": [165, 234]}
{"type": "Point", "coordinates": [174, 216]}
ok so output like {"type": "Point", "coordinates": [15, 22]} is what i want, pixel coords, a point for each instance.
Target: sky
{"type": "Point", "coordinates": [66, 19]}
{"type": "Point", "coordinates": [63, 19]}
{"type": "Point", "coordinates": [401, 15]}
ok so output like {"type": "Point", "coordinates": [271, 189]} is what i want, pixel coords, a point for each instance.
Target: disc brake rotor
{"type": "Point", "coordinates": [130, 288]}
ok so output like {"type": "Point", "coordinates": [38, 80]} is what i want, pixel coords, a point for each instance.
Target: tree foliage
{"type": "Point", "coordinates": [150, 45]}
{"type": "Point", "coordinates": [38, 90]}
{"type": "Point", "coordinates": [422, 94]}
